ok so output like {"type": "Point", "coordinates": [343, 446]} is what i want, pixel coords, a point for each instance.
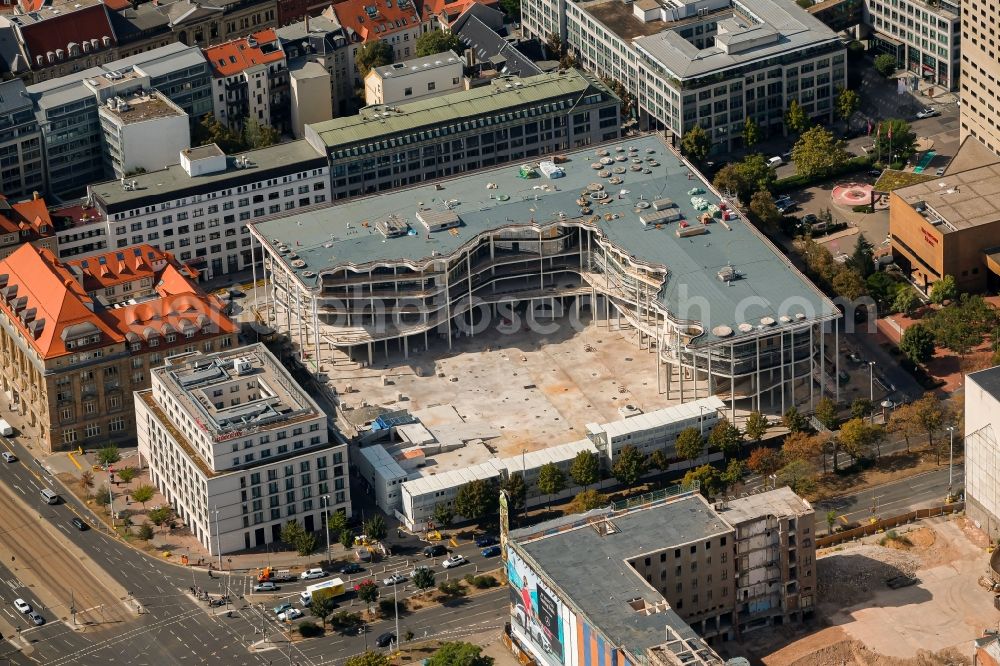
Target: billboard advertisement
{"type": "Point", "coordinates": [536, 613]}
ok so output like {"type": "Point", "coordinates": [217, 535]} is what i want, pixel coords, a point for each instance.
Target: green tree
{"type": "Point", "coordinates": [917, 343]}
{"type": "Point", "coordinates": [145, 531]}
{"type": "Point", "coordinates": [756, 175]}
{"type": "Point", "coordinates": [708, 477]}
{"type": "Point", "coordinates": [161, 515]}
{"type": "Point", "coordinates": [551, 480]}
{"type": "Point", "coordinates": [628, 466]}
{"type": "Point", "coordinates": [904, 421]}
{"type": "Point", "coordinates": [438, 41]}
{"type": "Point", "coordinates": [367, 591]}
{"type": "Point", "coordinates": [857, 438]}
{"type": "Point", "coordinates": [817, 152]}
{"type": "Point", "coordinates": [587, 500]}
{"type": "Point", "coordinates": [831, 519]}
{"type": "Point", "coordinates": [347, 539]}
{"type": "Point", "coordinates": [305, 543]}
{"type": "Point", "coordinates": [826, 413]}
{"type": "Point", "coordinates": [290, 532]}
{"type": "Point", "coordinates": [794, 420]}
{"type": "Point", "coordinates": [108, 455]}
{"type": "Point", "coordinates": [516, 490]}
{"type": "Point", "coordinates": [751, 132]}
{"type": "Point", "coordinates": [863, 256]}
{"type": "Point", "coordinates": [512, 8]}
{"type": "Point", "coordinates": [695, 144]}
{"type": "Point", "coordinates": [727, 438]}
{"type": "Point", "coordinates": [375, 528]}
{"type": "Point", "coordinates": [371, 55]}
{"type": "Point", "coordinates": [585, 469]}
{"type": "Point", "coordinates": [143, 494]}
{"type": "Point", "coordinates": [127, 474]}
{"type": "Point", "coordinates": [443, 515]}
{"type": "Point", "coordinates": [861, 408]}
{"type": "Point", "coordinates": [729, 180]}
{"type": "Point", "coordinates": [848, 102]}
{"type": "Point", "coordinates": [476, 499]}
{"type": "Point", "coordinates": [931, 416]}
{"type": "Point", "coordinates": [458, 653]}
{"type": "Point", "coordinates": [883, 289]}
{"type": "Point", "coordinates": [256, 135]}
{"type": "Point", "coordinates": [944, 290]}
{"type": "Point", "coordinates": [423, 578]}
{"type": "Point", "coordinates": [690, 445]}
{"type": "Point", "coordinates": [735, 471]}
{"type": "Point", "coordinates": [337, 522]}
{"type": "Point", "coordinates": [763, 208]}
{"type": "Point", "coordinates": [906, 301]}
{"type": "Point", "coordinates": [796, 118]}
{"type": "Point", "coordinates": [322, 605]}
{"type": "Point", "coordinates": [369, 659]}
{"type": "Point", "coordinates": [804, 4]}
{"type": "Point", "coordinates": [848, 283]}
{"type": "Point", "coordinates": [764, 461]}
{"type": "Point", "coordinates": [756, 426]}
{"type": "Point", "coordinates": [210, 130]}
{"type": "Point", "coordinates": [895, 141]}
{"type": "Point", "coordinates": [554, 44]}
{"type": "Point", "coordinates": [885, 64]}
{"type": "Point", "coordinates": [658, 459]}
{"type": "Point", "coordinates": [964, 324]}
{"type": "Point", "coordinates": [798, 475]}
{"type": "Point", "coordinates": [102, 495]}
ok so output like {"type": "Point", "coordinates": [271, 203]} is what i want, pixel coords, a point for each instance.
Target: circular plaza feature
{"type": "Point", "coordinates": [852, 194]}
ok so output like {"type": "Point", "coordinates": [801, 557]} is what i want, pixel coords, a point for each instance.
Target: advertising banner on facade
{"type": "Point", "coordinates": [536, 613]}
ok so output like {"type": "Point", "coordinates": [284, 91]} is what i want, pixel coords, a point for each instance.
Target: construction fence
{"type": "Point", "coordinates": [887, 524]}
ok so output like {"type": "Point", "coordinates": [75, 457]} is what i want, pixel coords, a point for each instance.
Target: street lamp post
{"type": "Point", "coordinates": [871, 387]}
{"type": "Point", "coordinates": [218, 544]}
{"type": "Point", "coordinates": [951, 455]}
{"type": "Point", "coordinates": [701, 419]}
{"type": "Point", "coordinates": [325, 501]}
{"type": "Point", "coordinates": [395, 607]}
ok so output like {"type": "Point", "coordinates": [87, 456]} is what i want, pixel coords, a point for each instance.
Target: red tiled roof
{"type": "Point", "coordinates": [117, 5]}
{"type": "Point", "coordinates": [45, 302]}
{"type": "Point", "coordinates": [56, 32]}
{"type": "Point", "coordinates": [233, 57]}
{"type": "Point", "coordinates": [448, 10]}
{"type": "Point", "coordinates": [31, 215]}
{"type": "Point", "coordinates": [28, 6]}
{"type": "Point", "coordinates": [376, 18]}
{"type": "Point", "coordinates": [120, 266]}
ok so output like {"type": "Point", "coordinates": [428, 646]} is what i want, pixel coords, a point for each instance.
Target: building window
{"type": "Point", "coordinates": [69, 436]}
{"type": "Point", "coordinates": [93, 430]}
{"type": "Point", "coordinates": [117, 424]}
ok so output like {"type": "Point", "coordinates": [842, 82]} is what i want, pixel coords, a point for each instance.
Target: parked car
{"type": "Point", "coordinates": [454, 561]}
{"type": "Point", "coordinates": [353, 567]}
{"type": "Point", "coordinates": [289, 615]}
{"type": "Point", "coordinates": [22, 605]}
{"type": "Point", "coordinates": [281, 608]}
{"type": "Point", "coordinates": [809, 219]}
{"type": "Point", "coordinates": [484, 540]}
{"type": "Point", "coordinates": [386, 639]}
{"type": "Point", "coordinates": [266, 586]}
{"type": "Point", "coordinates": [36, 618]}
{"type": "Point", "coordinates": [436, 550]}
{"type": "Point", "coordinates": [785, 204]}
{"type": "Point", "coordinates": [312, 573]}
{"type": "Point", "coordinates": [79, 524]}
{"type": "Point", "coordinates": [927, 113]}
{"type": "Point", "coordinates": [939, 172]}
{"type": "Point", "coordinates": [491, 551]}
{"type": "Point", "coordinates": [394, 579]}
{"type": "Point", "coordinates": [9, 457]}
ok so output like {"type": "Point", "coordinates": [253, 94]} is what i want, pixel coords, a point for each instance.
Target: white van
{"type": "Point", "coordinates": [50, 496]}
{"type": "Point", "coordinates": [775, 162]}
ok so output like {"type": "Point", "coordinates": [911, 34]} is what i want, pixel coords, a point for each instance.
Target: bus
{"type": "Point", "coordinates": [335, 585]}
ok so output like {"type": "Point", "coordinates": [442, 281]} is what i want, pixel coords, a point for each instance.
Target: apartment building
{"type": "Point", "coordinates": [239, 449]}
{"type": "Point", "coordinates": [68, 110]}
{"type": "Point", "coordinates": [510, 119]}
{"type": "Point", "coordinates": [922, 36]}
{"type": "Point", "coordinates": [77, 338]}
{"type": "Point", "coordinates": [198, 209]}
{"type": "Point", "coordinates": [980, 73]}
{"type": "Point", "coordinates": [658, 581]}
{"type": "Point", "coordinates": [412, 80]}
{"type": "Point", "coordinates": [250, 80]}
{"type": "Point", "coordinates": [25, 222]}
{"type": "Point", "coordinates": [707, 62]}
{"type": "Point", "coordinates": [394, 22]}
{"type": "Point", "coordinates": [22, 168]}
{"type": "Point", "coordinates": [320, 40]}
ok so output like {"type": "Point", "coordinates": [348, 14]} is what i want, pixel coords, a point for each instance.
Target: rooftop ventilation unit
{"type": "Point", "coordinates": [242, 366]}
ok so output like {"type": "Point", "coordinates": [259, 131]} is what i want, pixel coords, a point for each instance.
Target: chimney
{"type": "Point", "coordinates": [35, 196]}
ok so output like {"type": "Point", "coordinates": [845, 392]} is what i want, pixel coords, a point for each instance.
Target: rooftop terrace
{"type": "Point", "coordinates": [344, 235]}
{"type": "Point", "coordinates": [138, 109]}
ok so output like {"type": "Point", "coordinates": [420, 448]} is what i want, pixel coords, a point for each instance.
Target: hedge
{"type": "Point", "coordinates": [799, 181]}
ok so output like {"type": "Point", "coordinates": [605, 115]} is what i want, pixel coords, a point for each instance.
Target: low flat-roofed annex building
{"type": "Point", "coordinates": [239, 449]}
{"type": "Point", "coordinates": [951, 225]}
{"type": "Point", "coordinates": [618, 234]}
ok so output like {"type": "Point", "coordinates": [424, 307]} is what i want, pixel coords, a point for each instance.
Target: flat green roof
{"type": "Point", "coordinates": [379, 121]}
{"type": "Point", "coordinates": [768, 286]}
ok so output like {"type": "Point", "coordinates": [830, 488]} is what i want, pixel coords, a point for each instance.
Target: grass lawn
{"type": "Point", "coordinates": [893, 180]}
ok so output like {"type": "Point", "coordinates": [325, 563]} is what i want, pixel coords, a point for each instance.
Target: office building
{"type": "Point", "coordinates": [981, 480]}
{"type": "Point", "coordinates": [143, 132]}
{"type": "Point", "coordinates": [980, 73]}
{"type": "Point", "coordinates": [509, 120]}
{"type": "Point", "coordinates": [950, 225]}
{"type": "Point", "coordinates": [239, 449]}
{"type": "Point", "coordinates": [923, 37]}
{"type": "Point", "coordinates": [22, 169]}
{"type": "Point", "coordinates": [660, 581]}
{"type": "Point", "coordinates": [198, 209]}
{"type": "Point", "coordinates": [250, 81]}
{"type": "Point", "coordinates": [623, 233]}
{"type": "Point", "coordinates": [411, 80]}
{"type": "Point", "coordinates": [77, 338]}
{"type": "Point", "coordinates": [713, 63]}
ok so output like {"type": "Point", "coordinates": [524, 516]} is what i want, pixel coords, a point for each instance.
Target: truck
{"type": "Point", "coordinates": [6, 429]}
{"type": "Point", "coordinates": [335, 585]}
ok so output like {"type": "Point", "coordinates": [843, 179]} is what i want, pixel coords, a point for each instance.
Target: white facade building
{"type": "Point", "coordinates": [414, 79]}
{"type": "Point", "coordinates": [982, 450]}
{"type": "Point", "coordinates": [385, 476]}
{"type": "Point", "coordinates": [922, 36]}
{"type": "Point", "coordinates": [201, 215]}
{"type": "Point", "coordinates": [239, 449]}
{"type": "Point", "coordinates": [656, 430]}
{"type": "Point", "coordinates": [143, 132]}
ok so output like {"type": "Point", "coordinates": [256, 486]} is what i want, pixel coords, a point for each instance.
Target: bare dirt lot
{"type": "Point", "coordinates": [862, 622]}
